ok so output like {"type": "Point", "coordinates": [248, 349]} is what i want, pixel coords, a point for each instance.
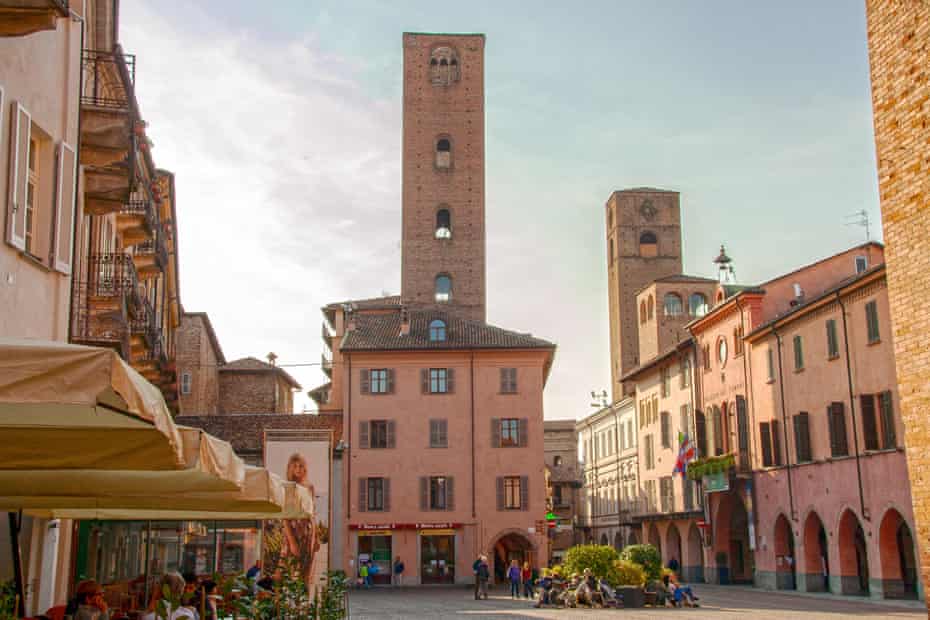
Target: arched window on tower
{"type": "Point", "coordinates": [443, 66]}
{"type": "Point", "coordinates": [648, 244]}
{"type": "Point", "coordinates": [673, 305]}
{"type": "Point", "coordinates": [697, 304]}
{"type": "Point", "coordinates": [443, 153]}
{"type": "Point", "coordinates": [443, 224]}
{"type": "Point", "coordinates": [443, 288]}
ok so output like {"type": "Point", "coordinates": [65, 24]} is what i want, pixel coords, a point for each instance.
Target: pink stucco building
{"type": "Point", "coordinates": [442, 412]}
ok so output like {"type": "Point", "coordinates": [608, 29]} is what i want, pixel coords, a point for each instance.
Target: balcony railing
{"type": "Point", "coordinates": [157, 247]}
{"type": "Point", "coordinates": [109, 79]}
{"type": "Point", "coordinates": [145, 208]}
{"type": "Point", "coordinates": [111, 274]}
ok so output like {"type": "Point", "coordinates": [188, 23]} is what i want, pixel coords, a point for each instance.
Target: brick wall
{"type": "Point", "coordinates": [456, 112]}
{"type": "Point", "coordinates": [899, 58]}
{"type": "Point", "coordinates": [196, 357]}
{"type": "Point", "coordinates": [254, 392]}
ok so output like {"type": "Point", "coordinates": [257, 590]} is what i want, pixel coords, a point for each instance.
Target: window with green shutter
{"type": "Point", "coordinates": [888, 430]}
{"type": "Point", "coordinates": [871, 317]}
{"type": "Point", "coordinates": [833, 345]}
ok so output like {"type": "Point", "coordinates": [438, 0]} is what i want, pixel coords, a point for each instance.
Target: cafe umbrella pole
{"type": "Point", "coordinates": [16, 523]}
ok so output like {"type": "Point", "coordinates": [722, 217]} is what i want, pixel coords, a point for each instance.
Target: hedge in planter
{"type": "Point", "coordinates": [601, 559]}
{"type": "Point", "coordinates": [646, 556]}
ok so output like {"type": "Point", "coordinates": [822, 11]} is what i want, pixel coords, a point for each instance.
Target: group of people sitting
{"type": "Point", "coordinates": [587, 590]}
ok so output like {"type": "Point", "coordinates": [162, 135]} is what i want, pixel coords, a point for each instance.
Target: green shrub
{"type": "Point", "coordinates": [601, 559]}
{"type": "Point", "coordinates": [629, 573]}
{"type": "Point", "coordinates": [646, 556]}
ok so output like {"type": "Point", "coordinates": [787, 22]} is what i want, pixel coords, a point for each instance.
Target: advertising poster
{"type": "Point", "coordinates": [302, 457]}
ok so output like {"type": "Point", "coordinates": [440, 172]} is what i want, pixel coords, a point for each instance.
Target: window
{"type": "Point", "coordinates": [557, 495]}
{"type": "Point", "coordinates": [376, 381]}
{"type": "Point", "coordinates": [32, 184]}
{"type": "Point", "coordinates": [648, 245]}
{"type": "Point", "coordinates": [510, 432]}
{"type": "Point", "coordinates": [557, 461]}
{"type": "Point", "coordinates": [871, 316]}
{"type": "Point", "coordinates": [738, 341]}
{"type": "Point", "coordinates": [438, 434]}
{"type": "Point", "coordinates": [666, 378]}
{"type": "Point", "coordinates": [765, 435]}
{"type": "Point", "coordinates": [862, 263]}
{"type": "Point", "coordinates": [443, 66]}
{"type": "Point", "coordinates": [700, 429]}
{"type": "Point", "coordinates": [443, 289]}
{"type": "Point", "coordinates": [719, 443]}
{"type": "Point", "coordinates": [798, 354]}
{"type": "Point", "coordinates": [443, 154]}
{"type": "Point", "coordinates": [666, 427]}
{"type": "Point", "coordinates": [437, 493]}
{"type": "Point", "coordinates": [684, 373]}
{"type": "Point", "coordinates": [508, 380]}
{"type": "Point", "coordinates": [667, 494]}
{"type": "Point", "coordinates": [770, 365]}
{"type": "Point", "coordinates": [375, 494]}
{"type": "Point", "coordinates": [512, 493]}
{"type": "Point", "coordinates": [776, 444]}
{"type": "Point", "coordinates": [379, 381]}
{"type": "Point", "coordinates": [869, 422]}
{"type": "Point", "coordinates": [888, 430]}
{"type": "Point", "coordinates": [833, 346]}
{"type": "Point", "coordinates": [437, 331]}
{"type": "Point", "coordinates": [697, 305]}
{"type": "Point", "coordinates": [722, 351]}
{"type": "Point", "coordinates": [438, 380]}
{"type": "Point", "coordinates": [378, 434]}
{"type": "Point", "coordinates": [673, 305]}
{"type": "Point", "coordinates": [649, 306]}
{"type": "Point", "coordinates": [836, 419]}
{"type": "Point", "coordinates": [443, 224]}
{"type": "Point", "coordinates": [802, 437]}
{"type": "Point", "coordinates": [650, 453]}
{"type": "Point", "coordinates": [185, 383]}
{"type": "Point", "coordinates": [642, 311]}
{"type": "Point", "coordinates": [705, 354]}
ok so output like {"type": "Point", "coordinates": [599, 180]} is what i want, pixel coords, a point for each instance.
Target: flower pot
{"type": "Point", "coordinates": [633, 596]}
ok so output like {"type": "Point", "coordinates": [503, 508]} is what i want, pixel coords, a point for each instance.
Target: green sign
{"type": "Point", "coordinates": [550, 517]}
{"type": "Point", "coordinates": [716, 482]}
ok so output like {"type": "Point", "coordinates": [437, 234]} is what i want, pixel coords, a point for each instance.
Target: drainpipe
{"type": "Point", "coordinates": [348, 432]}
{"type": "Point", "coordinates": [784, 423]}
{"type": "Point", "coordinates": [747, 380]}
{"type": "Point", "coordinates": [471, 385]}
{"type": "Point", "coordinates": [852, 410]}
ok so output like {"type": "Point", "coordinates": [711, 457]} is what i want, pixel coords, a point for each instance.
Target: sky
{"type": "Point", "coordinates": [282, 123]}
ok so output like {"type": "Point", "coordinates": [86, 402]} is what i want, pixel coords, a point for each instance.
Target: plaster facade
{"type": "Point", "coordinates": [560, 442]}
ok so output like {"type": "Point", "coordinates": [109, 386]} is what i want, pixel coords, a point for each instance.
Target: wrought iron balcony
{"type": "Point", "coordinates": [154, 247]}
{"type": "Point", "coordinates": [109, 79]}
{"type": "Point", "coordinates": [111, 274]}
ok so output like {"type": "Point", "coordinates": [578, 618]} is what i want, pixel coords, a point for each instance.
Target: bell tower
{"type": "Point", "coordinates": [443, 239]}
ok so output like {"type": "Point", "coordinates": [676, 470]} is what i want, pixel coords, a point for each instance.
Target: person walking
{"type": "Point", "coordinates": [398, 572]}
{"type": "Point", "coordinates": [526, 576]}
{"type": "Point", "coordinates": [474, 569]}
{"type": "Point", "coordinates": [363, 573]}
{"type": "Point", "coordinates": [484, 573]}
{"type": "Point", "coordinates": [515, 575]}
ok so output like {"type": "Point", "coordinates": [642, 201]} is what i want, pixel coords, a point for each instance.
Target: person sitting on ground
{"type": "Point", "coordinates": [662, 592]}
{"type": "Point", "coordinates": [545, 590]}
{"type": "Point", "coordinates": [681, 595]}
{"type": "Point", "coordinates": [88, 602]}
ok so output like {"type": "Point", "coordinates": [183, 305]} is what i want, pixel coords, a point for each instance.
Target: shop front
{"type": "Point", "coordinates": [437, 555]}
{"type": "Point", "coordinates": [374, 548]}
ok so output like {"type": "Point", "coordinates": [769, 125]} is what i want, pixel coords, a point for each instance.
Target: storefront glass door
{"type": "Point", "coordinates": [437, 559]}
{"type": "Point", "coordinates": [377, 549]}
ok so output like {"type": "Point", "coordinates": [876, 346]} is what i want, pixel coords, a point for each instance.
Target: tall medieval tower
{"type": "Point", "coordinates": [443, 244]}
{"type": "Point", "coordinates": [643, 244]}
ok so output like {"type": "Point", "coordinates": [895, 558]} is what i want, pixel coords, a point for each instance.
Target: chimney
{"type": "Point", "coordinates": [349, 312]}
{"type": "Point", "coordinates": [272, 358]}
{"type": "Point", "coordinates": [404, 321]}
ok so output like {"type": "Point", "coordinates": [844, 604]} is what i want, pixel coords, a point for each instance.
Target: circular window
{"type": "Point", "coordinates": [722, 351]}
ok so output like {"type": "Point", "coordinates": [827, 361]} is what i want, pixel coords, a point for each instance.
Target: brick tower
{"type": "Point", "coordinates": [443, 245]}
{"type": "Point", "coordinates": [643, 244]}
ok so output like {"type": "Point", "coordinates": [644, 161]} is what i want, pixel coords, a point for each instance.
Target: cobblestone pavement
{"type": "Point", "coordinates": [732, 602]}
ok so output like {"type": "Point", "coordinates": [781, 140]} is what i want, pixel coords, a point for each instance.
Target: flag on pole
{"type": "Point", "coordinates": [686, 454]}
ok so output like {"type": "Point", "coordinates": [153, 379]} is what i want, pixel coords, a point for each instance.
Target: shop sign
{"type": "Point", "coordinates": [370, 526]}
{"type": "Point", "coordinates": [374, 532]}
{"type": "Point", "coordinates": [716, 482]}
{"type": "Point", "coordinates": [438, 532]}
{"type": "Point", "coordinates": [437, 526]}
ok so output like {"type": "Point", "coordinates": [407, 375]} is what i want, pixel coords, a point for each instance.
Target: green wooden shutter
{"type": "Point", "coordinates": [888, 429]}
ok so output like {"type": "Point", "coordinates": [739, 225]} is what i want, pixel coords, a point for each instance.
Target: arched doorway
{"type": "Point", "coordinates": [731, 541]}
{"type": "Point", "coordinates": [673, 548]}
{"type": "Point", "coordinates": [816, 556]}
{"type": "Point", "coordinates": [785, 560]}
{"type": "Point", "coordinates": [654, 539]}
{"type": "Point", "coordinates": [618, 541]}
{"type": "Point", "coordinates": [896, 549]}
{"type": "Point", "coordinates": [854, 558]}
{"type": "Point", "coordinates": [604, 540]}
{"type": "Point", "coordinates": [510, 545]}
{"type": "Point", "coordinates": [693, 570]}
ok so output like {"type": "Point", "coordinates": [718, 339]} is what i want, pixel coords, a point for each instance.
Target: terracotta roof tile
{"type": "Point", "coordinates": [251, 364]}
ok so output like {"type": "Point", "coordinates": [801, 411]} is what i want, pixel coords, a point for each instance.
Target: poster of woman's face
{"type": "Point", "coordinates": [300, 542]}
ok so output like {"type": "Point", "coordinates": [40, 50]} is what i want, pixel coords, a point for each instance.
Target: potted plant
{"type": "Point", "coordinates": [630, 581]}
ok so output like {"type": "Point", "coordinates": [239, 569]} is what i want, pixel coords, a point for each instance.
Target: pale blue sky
{"type": "Point", "coordinates": [282, 123]}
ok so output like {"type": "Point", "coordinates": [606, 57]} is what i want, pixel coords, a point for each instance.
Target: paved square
{"type": "Point", "coordinates": [717, 602]}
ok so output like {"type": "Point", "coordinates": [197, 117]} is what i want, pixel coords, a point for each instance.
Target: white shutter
{"type": "Point", "coordinates": [20, 134]}
{"type": "Point", "coordinates": [64, 209]}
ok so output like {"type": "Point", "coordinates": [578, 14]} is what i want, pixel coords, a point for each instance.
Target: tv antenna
{"type": "Point", "coordinates": [860, 218]}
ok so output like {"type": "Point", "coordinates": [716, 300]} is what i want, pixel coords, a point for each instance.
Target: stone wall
{"type": "Point", "coordinates": [899, 58]}
{"type": "Point", "coordinates": [261, 391]}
